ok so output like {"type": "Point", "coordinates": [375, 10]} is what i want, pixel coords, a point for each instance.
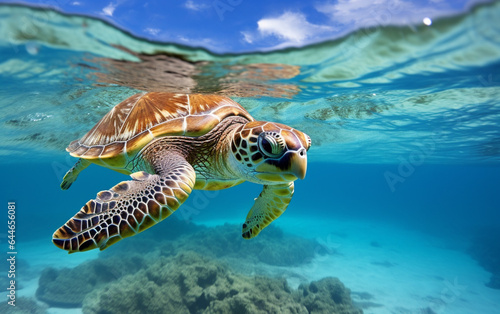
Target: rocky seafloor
{"type": "Point", "coordinates": [191, 283]}
{"type": "Point", "coordinates": [185, 268]}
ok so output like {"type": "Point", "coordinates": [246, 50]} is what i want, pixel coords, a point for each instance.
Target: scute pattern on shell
{"type": "Point", "coordinates": [139, 119]}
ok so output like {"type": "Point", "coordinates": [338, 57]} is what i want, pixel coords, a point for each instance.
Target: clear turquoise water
{"type": "Point", "coordinates": [404, 123]}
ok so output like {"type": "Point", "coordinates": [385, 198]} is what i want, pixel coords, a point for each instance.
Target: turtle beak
{"type": "Point", "coordinates": [299, 163]}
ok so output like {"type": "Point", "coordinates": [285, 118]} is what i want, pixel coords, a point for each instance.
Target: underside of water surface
{"type": "Point", "coordinates": [370, 97]}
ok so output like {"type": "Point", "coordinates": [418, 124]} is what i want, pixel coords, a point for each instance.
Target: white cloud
{"type": "Point", "coordinates": [191, 5]}
{"type": "Point", "coordinates": [361, 13]}
{"type": "Point", "coordinates": [109, 9]}
{"type": "Point", "coordinates": [248, 37]}
{"type": "Point", "coordinates": [293, 28]}
{"type": "Point", "coordinates": [290, 26]}
{"type": "Point", "coordinates": [152, 31]}
{"type": "Point", "coordinates": [208, 43]}
{"type": "Point", "coordinates": [184, 39]}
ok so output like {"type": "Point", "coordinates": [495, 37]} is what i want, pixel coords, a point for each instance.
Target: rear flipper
{"type": "Point", "coordinates": [128, 208]}
{"type": "Point", "coordinates": [271, 203]}
{"type": "Point", "coordinates": [73, 173]}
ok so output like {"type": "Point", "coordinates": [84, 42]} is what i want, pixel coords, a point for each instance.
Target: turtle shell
{"type": "Point", "coordinates": [143, 117]}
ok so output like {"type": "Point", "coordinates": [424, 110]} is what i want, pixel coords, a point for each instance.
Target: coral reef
{"type": "Point", "coordinates": [68, 287]}
{"type": "Point", "coordinates": [190, 283]}
{"type": "Point", "coordinates": [327, 295]}
{"type": "Point", "coordinates": [23, 306]}
{"type": "Point", "coordinates": [158, 272]}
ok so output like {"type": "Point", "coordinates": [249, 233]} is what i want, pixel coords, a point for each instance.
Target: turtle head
{"type": "Point", "coordinates": [270, 153]}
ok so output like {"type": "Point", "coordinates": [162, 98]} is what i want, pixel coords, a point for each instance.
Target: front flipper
{"type": "Point", "coordinates": [271, 203]}
{"type": "Point", "coordinates": [128, 208]}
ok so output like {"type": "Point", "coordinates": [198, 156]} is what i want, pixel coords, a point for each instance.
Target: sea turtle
{"type": "Point", "coordinates": [171, 144]}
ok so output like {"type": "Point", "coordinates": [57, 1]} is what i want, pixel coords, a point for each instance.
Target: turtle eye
{"type": "Point", "coordinates": [271, 144]}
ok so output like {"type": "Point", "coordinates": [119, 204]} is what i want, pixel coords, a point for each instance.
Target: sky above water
{"type": "Point", "coordinates": [252, 25]}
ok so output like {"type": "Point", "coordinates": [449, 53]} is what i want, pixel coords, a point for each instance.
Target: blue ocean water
{"type": "Point", "coordinates": [403, 183]}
